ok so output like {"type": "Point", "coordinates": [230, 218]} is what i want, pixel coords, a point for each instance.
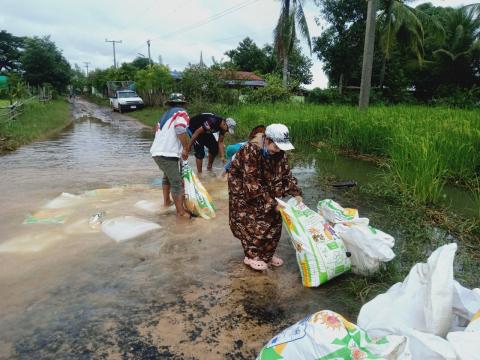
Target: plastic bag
{"type": "Point", "coordinates": [197, 199]}
{"type": "Point", "coordinates": [64, 200]}
{"type": "Point", "coordinates": [425, 307]}
{"type": "Point", "coordinates": [127, 227]}
{"type": "Point", "coordinates": [326, 335]}
{"type": "Point", "coordinates": [369, 247]}
{"type": "Point", "coordinates": [321, 254]}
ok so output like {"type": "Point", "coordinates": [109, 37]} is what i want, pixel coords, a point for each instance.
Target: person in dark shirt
{"type": "Point", "coordinates": [201, 129]}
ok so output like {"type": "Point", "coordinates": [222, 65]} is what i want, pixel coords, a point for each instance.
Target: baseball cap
{"type": "Point", "coordinates": [231, 125]}
{"type": "Point", "coordinates": [278, 133]}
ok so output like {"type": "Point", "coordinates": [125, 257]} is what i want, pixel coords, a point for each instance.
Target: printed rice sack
{"type": "Point", "coordinates": [197, 199]}
{"type": "Point", "coordinates": [321, 254]}
{"type": "Point", "coordinates": [335, 213]}
{"type": "Point", "coordinates": [326, 335]}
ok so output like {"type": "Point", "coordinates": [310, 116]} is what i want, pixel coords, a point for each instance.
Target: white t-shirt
{"type": "Point", "coordinates": [166, 141]}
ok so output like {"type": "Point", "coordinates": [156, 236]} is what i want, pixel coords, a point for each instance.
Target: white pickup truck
{"type": "Point", "coordinates": [123, 100]}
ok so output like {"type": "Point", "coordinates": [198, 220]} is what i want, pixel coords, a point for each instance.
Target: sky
{"type": "Point", "coordinates": [179, 30]}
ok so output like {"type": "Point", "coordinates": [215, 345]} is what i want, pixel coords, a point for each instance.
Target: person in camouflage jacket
{"type": "Point", "coordinates": [260, 173]}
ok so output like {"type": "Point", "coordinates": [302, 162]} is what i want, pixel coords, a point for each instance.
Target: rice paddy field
{"type": "Point", "coordinates": [423, 147]}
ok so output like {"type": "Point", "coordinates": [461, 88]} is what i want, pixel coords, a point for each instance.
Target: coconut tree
{"type": "Point", "coordinates": [285, 33]}
{"type": "Point", "coordinates": [461, 45]}
{"type": "Point", "coordinates": [399, 23]}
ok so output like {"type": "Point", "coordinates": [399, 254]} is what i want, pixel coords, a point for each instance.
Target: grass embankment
{"type": "Point", "coordinates": [423, 147]}
{"type": "Point", "coordinates": [148, 116]}
{"type": "Point", "coordinates": [37, 122]}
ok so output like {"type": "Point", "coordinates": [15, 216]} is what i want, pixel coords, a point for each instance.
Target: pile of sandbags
{"type": "Point", "coordinates": [427, 316]}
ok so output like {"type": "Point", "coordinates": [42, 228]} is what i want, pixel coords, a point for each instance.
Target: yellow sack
{"type": "Point", "coordinates": [197, 199]}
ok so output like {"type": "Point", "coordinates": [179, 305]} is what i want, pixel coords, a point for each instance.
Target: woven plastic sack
{"type": "Point", "coordinates": [124, 228]}
{"type": "Point", "coordinates": [197, 199]}
{"type": "Point", "coordinates": [321, 254]}
{"type": "Point", "coordinates": [326, 335]}
{"type": "Point", "coordinates": [336, 214]}
{"type": "Point", "coordinates": [369, 246]}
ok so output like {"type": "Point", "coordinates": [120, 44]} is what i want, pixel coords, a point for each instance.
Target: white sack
{"type": "Point", "coordinates": [64, 200]}
{"type": "Point", "coordinates": [127, 227]}
{"type": "Point", "coordinates": [336, 214]}
{"type": "Point", "coordinates": [368, 246]}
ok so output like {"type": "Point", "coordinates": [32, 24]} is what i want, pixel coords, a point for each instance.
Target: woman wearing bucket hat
{"type": "Point", "coordinates": [201, 129]}
{"type": "Point", "coordinates": [260, 173]}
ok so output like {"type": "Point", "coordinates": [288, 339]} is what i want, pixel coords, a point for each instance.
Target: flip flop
{"type": "Point", "coordinates": [276, 261]}
{"type": "Point", "coordinates": [255, 264]}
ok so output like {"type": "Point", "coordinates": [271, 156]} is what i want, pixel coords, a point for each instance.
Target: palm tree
{"type": "Point", "coordinates": [461, 45]}
{"type": "Point", "coordinates": [368, 49]}
{"type": "Point", "coordinates": [285, 32]}
{"type": "Point", "coordinates": [398, 18]}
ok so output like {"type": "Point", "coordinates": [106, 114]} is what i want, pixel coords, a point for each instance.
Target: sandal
{"type": "Point", "coordinates": [255, 264]}
{"type": "Point", "coordinates": [276, 261]}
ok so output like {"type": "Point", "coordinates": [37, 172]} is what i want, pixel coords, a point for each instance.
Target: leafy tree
{"type": "Point", "coordinates": [340, 46]}
{"type": "Point", "coordinates": [10, 50]}
{"type": "Point", "coordinates": [154, 83]}
{"type": "Point", "coordinates": [141, 62]}
{"type": "Point", "coordinates": [285, 32]}
{"type": "Point", "coordinates": [274, 91]}
{"type": "Point", "coordinates": [78, 79]}
{"type": "Point", "coordinates": [248, 56]}
{"type": "Point", "coordinates": [44, 63]}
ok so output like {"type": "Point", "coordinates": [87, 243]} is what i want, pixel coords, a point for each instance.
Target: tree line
{"type": "Point", "coordinates": [424, 53]}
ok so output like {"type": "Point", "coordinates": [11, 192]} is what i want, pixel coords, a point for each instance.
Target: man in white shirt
{"type": "Point", "coordinates": [170, 139]}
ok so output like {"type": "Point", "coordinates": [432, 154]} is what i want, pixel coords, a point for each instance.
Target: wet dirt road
{"type": "Point", "coordinates": [181, 292]}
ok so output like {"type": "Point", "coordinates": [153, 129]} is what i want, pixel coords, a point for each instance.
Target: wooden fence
{"type": "Point", "coordinates": [11, 112]}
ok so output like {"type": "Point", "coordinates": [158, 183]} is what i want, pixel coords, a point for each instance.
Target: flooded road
{"type": "Point", "coordinates": [180, 292]}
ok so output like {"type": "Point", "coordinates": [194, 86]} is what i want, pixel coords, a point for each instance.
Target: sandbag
{"type": "Point", "coordinates": [425, 308]}
{"type": "Point", "coordinates": [336, 214]}
{"type": "Point", "coordinates": [64, 200]}
{"type": "Point", "coordinates": [327, 335]}
{"type": "Point", "coordinates": [124, 228]}
{"type": "Point", "coordinates": [369, 247]}
{"type": "Point", "coordinates": [321, 254]}
{"type": "Point", "coordinates": [197, 199]}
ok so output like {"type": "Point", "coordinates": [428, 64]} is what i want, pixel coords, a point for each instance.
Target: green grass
{"type": "Point", "coordinates": [424, 147]}
{"type": "Point", "coordinates": [4, 102]}
{"type": "Point", "coordinates": [149, 115]}
{"type": "Point", "coordinates": [37, 122]}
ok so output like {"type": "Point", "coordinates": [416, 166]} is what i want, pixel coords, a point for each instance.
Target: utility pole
{"type": "Point", "coordinates": [368, 56]}
{"type": "Point", "coordinates": [149, 57]}
{"type": "Point", "coordinates": [114, 58]}
{"type": "Point", "coordinates": [86, 65]}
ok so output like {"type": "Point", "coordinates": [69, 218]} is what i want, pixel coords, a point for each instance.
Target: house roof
{"type": "Point", "coordinates": [245, 75]}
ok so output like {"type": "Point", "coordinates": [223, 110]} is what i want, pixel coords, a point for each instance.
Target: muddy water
{"type": "Point", "coordinates": [181, 292]}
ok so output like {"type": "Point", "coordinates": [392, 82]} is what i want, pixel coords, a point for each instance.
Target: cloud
{"type": "Point", "coordinates": [179, 30]}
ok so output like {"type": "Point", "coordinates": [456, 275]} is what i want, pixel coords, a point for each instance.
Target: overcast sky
{"type": "Point", "coordinates": [179, 30]}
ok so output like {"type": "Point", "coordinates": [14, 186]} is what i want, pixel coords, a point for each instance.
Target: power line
{"type": "Point", "coordinates": [212, 18]}
{"type": "Point", "coordinates": [206, 20]}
